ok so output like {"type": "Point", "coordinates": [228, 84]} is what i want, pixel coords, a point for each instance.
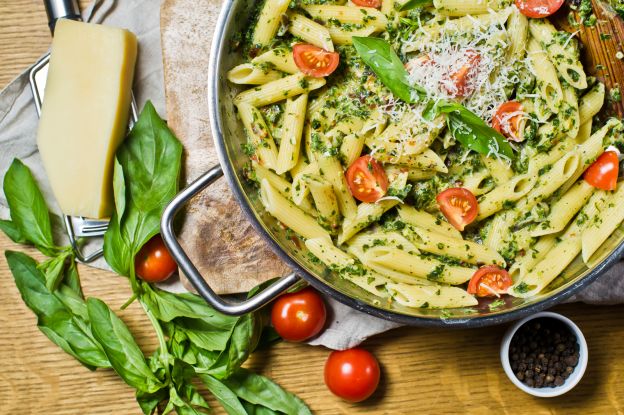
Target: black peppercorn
{"type": "Point", "coordinates": [544, 353]}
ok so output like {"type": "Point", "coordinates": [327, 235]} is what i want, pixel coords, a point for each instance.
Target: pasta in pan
{"type": "Point", "coordinates": [430, 156]}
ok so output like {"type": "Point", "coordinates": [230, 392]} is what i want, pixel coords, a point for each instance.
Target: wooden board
{"type": "Point", "coordinates": [215, 234]}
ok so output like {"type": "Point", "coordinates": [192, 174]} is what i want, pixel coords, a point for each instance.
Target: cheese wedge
{"type": "Point", "coordinates": [85, 113]}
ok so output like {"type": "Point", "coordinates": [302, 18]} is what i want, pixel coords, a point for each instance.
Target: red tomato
{"type": "Point", "coordinates": [367, 180]}
{"type": "Point", "coordinates": [314, 61]}
{"type": "Point", "coordinates": [352, 374]}
{"type": "Point", "coordinates": [489, 281]}
{"type": "Point", "coordinates": [154, 263]}
{"type": "Point", "coordinates": [368, 3]}
{"type": "Point", "coordinates": [460, 77]}
{"type": "Point", "coordinates": [459, 206]}
{"type": "Point", "coordinates": [507, 120]}
{"type": "Point", "coordinates": [603, 173]}
{"type": "Point", "coordinates": [538, 8]}
{"type": "Point", "coordinates": [299, 316]}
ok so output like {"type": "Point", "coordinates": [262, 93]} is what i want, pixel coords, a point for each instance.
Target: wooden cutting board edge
{"type": "Point", "coordinates": [215, 233]}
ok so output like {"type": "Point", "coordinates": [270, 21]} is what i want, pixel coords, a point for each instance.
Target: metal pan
{"type": "Point", "coordinates": [229, 137]}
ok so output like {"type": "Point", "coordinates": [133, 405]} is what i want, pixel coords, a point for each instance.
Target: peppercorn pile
{"type": "Point", "coordinates": [543, 353]}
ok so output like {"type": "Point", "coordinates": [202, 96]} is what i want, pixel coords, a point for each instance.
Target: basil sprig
{"type": "Point", "coordinates": [195, 341]}
{"type": "Point", "coordinates": [467, 128]}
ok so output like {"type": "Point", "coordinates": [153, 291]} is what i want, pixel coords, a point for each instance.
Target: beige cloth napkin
{"type": "Point", "coordinates": [18, 125]}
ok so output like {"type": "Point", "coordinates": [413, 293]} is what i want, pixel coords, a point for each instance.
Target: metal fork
{"type": "Point", "coordinates": [76, 226]}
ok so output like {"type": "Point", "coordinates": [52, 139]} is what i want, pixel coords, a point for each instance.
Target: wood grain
{"type": "Point", "coordinates": [426, 371]}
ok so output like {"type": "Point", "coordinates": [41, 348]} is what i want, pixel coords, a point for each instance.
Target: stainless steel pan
{"type": "Point", "coordinates": [229, 137]}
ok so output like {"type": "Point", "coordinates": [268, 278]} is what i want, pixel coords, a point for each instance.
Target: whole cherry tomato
{"type": "Point", "coordinates": [299, 316]}
{"type": "Point", "coordinates": [352, 374]}
{"type": "Point", "coordinates": [154, 263]}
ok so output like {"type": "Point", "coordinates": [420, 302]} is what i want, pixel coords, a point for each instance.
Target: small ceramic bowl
{"type": "Point", "coordinates": [570, 382]}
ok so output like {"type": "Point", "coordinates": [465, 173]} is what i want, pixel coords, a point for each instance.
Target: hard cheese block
{"type": "Point", "coordinates": [85, 113]}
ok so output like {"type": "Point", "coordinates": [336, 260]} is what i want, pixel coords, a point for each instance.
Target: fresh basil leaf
{"type": "Point", "coordinates": [259, 390]}
{"type": "Point", "coordinates": [258, 409]}
{"type": "Point", "coordinates": [243, 341]}
{"type": "Point", "coordinates": [120, 347]}
{"type": "Point", "coordinates": [72, 278]}
{"type": "Point", "coordinates": [150, 159]}
{"type": "Point", "coordinates": [412, 4]}
{"type": "Point", "coordinates": [119, 190]}
{"type": "Point", "coordinates": [148, 402]}
{"type": "Point", "coordinates": [472, 132]}
{"type": "Point", "coordinates": [29, 212]}
{"type": "Point", "coordinates": [381, 58]}
{"type": "Point", "coordinates": [53, 269]}
{"type": "Point", "coordinates": [12, 231]}
{"type": "Point", "coordinates": [58, 316]}
{"type": "Point", "coordinates": [205, 335]}
{"type": "Point", "coordinates": [224, 395]}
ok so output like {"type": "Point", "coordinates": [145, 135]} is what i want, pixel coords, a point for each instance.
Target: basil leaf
{"type": "Point", "coordinates": [470, 130]}
{"type": "Point", "coordinates": [381, 58]}
{"type": "Point", "coordinates": [259, 390]}
{"type": "Point", "coordinates": [150, 159]}
{"type": "Point", "coordinates": [53, 269]}
{"type": "Point", "coordinates": [72, 279]}
{"type": "Point", "coordinates": [224, 395]}
{"type": "Point", "coordinates": [29, 212]}
{"type": "Point", "coordinates": [148, 402]}
{"type": "Point", "coordinates": [12, 231]}
{"type": "Point", "coordinates": [258, 409]}
{"type": "Point", "coordinates": [243, 341]}
{"type": "Point", "coordinates": [412, 4]}
{"type": "Point", "coordinates": [120, 347]}
{"type": "Point", "coordinates": [204, 335]}
{"type": "Point", "coordinates": [58, 315]}
{"type": "Point", "coordinates": [119, 190]}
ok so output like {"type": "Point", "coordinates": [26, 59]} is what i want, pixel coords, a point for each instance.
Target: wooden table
{"type": "Point", "coordinates": [423, 370]}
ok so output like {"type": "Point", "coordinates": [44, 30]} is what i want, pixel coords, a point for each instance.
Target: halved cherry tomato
{"type": "Point", "coordinates": [352, 374]}
{"type": "Point", "coordinates": [299, 316]}
{"type": "Point", "coordinates": [507, 120]}
{"type": "Point", "coordinates": [367, 180]}
{"type": "Point", "coordinates": [489, 281]}
{"type": "Point", "coordinates": [314, 61]}
{"type": "Point", "coordinates": [154, 263]}
{"type": "Point", "coordinates": [538, 8]}
{"type": "Point", "coordinates": [603, 173]}
{"type": "Point", "coordinates": [368, 3]}
{"type": "Point", "coordinates": [461, 88]}
{"type": "Point", "coordinates": [459, 206]}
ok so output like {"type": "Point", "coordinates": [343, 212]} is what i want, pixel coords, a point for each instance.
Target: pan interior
{"type": "Point", "coordinates": [230, 139]}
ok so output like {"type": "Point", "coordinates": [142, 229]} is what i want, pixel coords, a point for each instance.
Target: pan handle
{"type": "Point", "coordinates": [189, 269]}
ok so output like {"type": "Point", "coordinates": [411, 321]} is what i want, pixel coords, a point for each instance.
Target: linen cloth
{"type": "Point", "coordinates": [18, 125]}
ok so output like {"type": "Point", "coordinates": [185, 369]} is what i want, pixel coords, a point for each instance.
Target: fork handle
{"type": "Point", "coordinates": [61, 9]}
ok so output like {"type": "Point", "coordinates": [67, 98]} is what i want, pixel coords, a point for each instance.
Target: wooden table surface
{"type": "Point", "coordinates": [426, 371]}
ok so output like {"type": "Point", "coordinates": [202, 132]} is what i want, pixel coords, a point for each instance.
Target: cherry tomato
{"type": "Point", "coordinates": [603, 173]}
{"type": "Point", "coordinates": [368, 3]}
{"type": "Point", "coordinates": [538, 9]}
{"type": "Point", "coordinates": [299, 316]}
{"type": "Point", "coordinates": [460, 87]}
{"type": "Point", "coordinates": [367, 180]}
{"type": "Point", "coordinates": [352, 374]}
{"type": "Point", "coordinates": [489, 281]}
{"type": "Point", "coordinates": [154, 263]}
{"type": "Point", "coordinates": [507, 120]}
{"type": "Point", "coordinates": [314, 61]}
{"type": "Point", "coordinates": [459, 206]}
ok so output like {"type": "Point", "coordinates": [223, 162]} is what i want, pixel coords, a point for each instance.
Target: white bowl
{"type": "Point", "coordinates": [570, 382]}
